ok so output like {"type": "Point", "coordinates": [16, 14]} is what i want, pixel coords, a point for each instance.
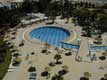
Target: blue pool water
{"type": "Point", "coordinates": [53, 35]}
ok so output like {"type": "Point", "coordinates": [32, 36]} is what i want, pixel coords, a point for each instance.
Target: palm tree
{"type": "Point", "coordinates": [84, 78]}
{"type": "Point", "coordinates": [64, 70]}
{"type": "Point", "coordinates": [105, 76]}
{"type": "Point", "coordinates": [87, 74]}
{"type": "Point", "coordinates": [52, 64]}
{"type": "Point", "coordinates": [57, 57]}
{"type": "Point", "coordinates": [27, 6]}
{"type": "Point", "coordinates": [42, 4]}
{"type": "Point", "coordinates": [53, 15]}
{"type": "Point", "coordinates": [57, 77]}
{"type": "Point", "coordinates": [46, 72]}
{"type": "Point", "coordinates": [47, 69]}
{"type": "Point", "coordinates": [101, 21]}
{"type": "Point", "coordinates": [16, 61]}
{"type": "Point", "coordinates": [32, 69]}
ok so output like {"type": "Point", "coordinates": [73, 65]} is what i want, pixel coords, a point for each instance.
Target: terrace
{"type": "Point", "coordinates": [75, 65]}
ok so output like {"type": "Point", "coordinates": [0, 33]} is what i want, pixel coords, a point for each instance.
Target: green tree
{"type": "Point", "coordinates": [57, 77]}
{"type": "Point", "coordinates": [102, 22]}
{"type": "Point", "coordinates": [64, 70]}
{"type": "Point", "coordinates": [57, 57]}
{"type": "Point", "coordinates": [46, 73]}
{"type": "Point", "coordinates": [87, 74]}
{"type": "Point", "coordinates": [105, 75]}
{"type": "Point", "coordinates": [42, 4]}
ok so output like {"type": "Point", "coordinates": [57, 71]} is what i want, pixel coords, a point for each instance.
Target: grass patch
{"type": "Point", "coordinates": [1, 40]}
{"type": "Point", "coordinates": [4, 66]}
{"type": "Point", "coordinates": [7, 59]}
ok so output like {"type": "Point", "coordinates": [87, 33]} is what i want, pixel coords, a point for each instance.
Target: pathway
{"type": "Point", "coordinates": [84, 50]}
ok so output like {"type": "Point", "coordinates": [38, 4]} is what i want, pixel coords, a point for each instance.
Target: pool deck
{"type": "Point", "coordinates": [70, 39]}
{"type": "Point", "coordinates": [40, 61]}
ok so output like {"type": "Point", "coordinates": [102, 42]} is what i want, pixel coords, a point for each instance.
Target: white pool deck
{"type": "Point", "coordinates": [40, 61]}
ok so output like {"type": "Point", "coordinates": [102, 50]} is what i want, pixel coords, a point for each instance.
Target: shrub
{"type": "Point", "coordinates": [52, 64]}
{"type": "Point", "coordinates": [57, 77]}
{"type": "Point", "coordinates": [32, 53]}
{"type": "Point", "coordinates": [68, 53]}
{"type": "Point", "coordinates": [44, 51]}
{"type": "Point", "coordinates": [44, 74]}
{"type": "Point", "coordinates": [84, 78]}
{"type": "Point", "coordinates": [102, 57]}
{"type": "Point", "coordinates": [21, 44]}
{"type": "Point", "coordinates": [32, 69]}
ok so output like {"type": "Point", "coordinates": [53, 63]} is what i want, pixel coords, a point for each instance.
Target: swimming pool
{"type": "Point", "coordinates": [52, 35]}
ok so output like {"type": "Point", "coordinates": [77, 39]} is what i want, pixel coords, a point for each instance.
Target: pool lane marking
{"type": "Point", "coordinates": [43, 35]}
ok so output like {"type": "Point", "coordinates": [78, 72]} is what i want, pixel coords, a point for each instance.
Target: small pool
{"type": "Point", "coordinates": [52, 35]}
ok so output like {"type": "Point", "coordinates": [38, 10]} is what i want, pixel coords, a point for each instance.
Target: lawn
{"type": "Point", "coordinates": [4, 65]}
